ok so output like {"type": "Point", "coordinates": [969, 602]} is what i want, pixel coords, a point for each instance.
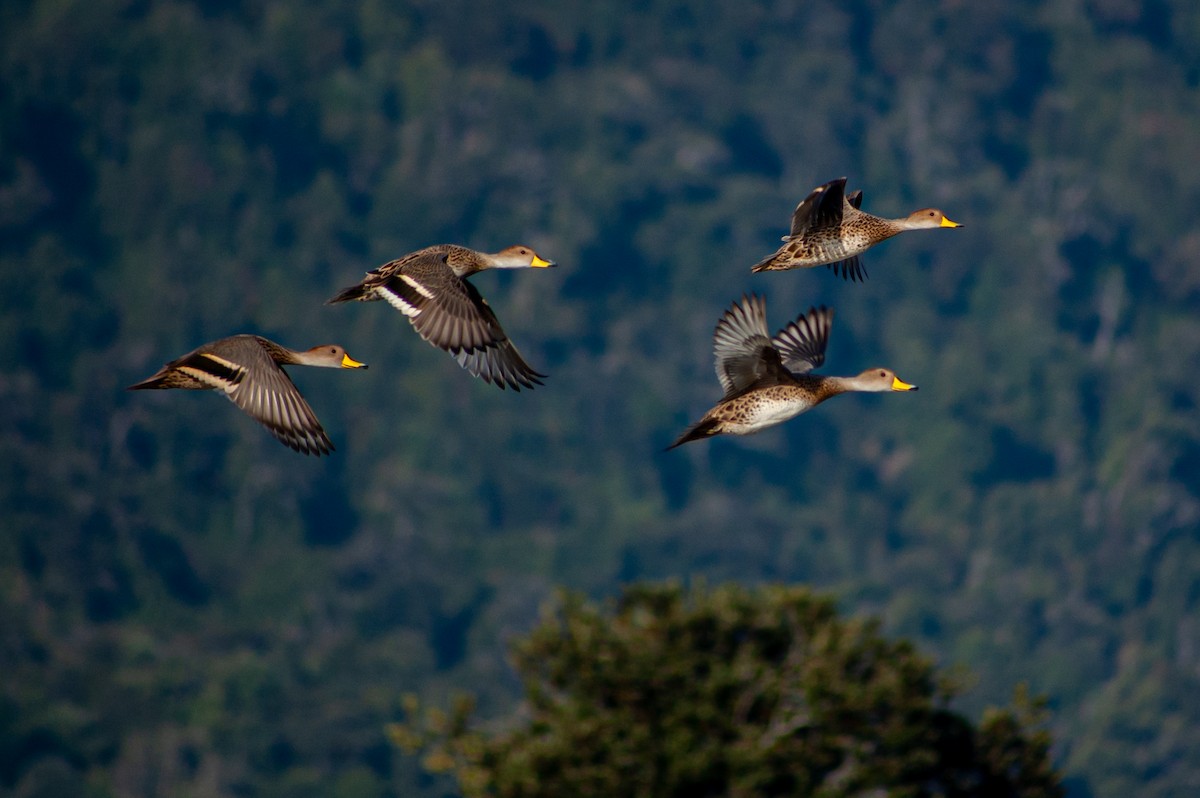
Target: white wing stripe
{"type": "Point", "coordinates": [209, 379]}
{"type": "Point", "coordinates": [399, 303]}
{"type": "Point", "coordinates": [420, 289]}
{"type": "Point", "coordinates": [229, 364]}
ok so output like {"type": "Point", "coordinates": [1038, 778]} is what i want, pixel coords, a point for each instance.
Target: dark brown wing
{"type": "Point", "coordinates": [743, 350]}
{"type": "Point", "coordinates": [821, 208]}
{"type": "Point", "coordinates": [450, 313]}
{"type": "Point", "coordinates": [801, 344]}
{"type": "Point", "coordinates": [850, 269]}
{"type": "Point", "coordinates": [267, 394]}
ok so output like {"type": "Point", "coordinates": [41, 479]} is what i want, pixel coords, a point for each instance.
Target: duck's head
{"type": "Point", "coordinates": [330, 356]}
{"type": "Point", "coordinates": [880, 380]}
{"type": "Point", "coordinates": [929, 217]}
{"type": "Point", "coordinates": [519, 257]}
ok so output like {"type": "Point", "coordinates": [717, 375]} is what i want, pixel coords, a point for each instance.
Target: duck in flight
{"type": "Point", "coordinates": [829, 229]}
{"type": "Point", "coordinates": [430, 288]}
{"type": "Point", "coordinates": [768, 380]}
{"type": "Point", "coordinates": [249, 370]}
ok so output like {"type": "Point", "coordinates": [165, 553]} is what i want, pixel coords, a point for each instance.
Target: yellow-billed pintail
{"type": "Point", "coordinates": [430, 289]}
{"type": "Point", "coordinates": [248, 369]}
{"type": "Point", "coordinates": [829, 229]}
{"type": "Point", "coordinates": [767, 380]}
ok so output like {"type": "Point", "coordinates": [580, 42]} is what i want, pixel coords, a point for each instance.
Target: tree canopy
{"type": "Point", "coordinates": [729, 692]}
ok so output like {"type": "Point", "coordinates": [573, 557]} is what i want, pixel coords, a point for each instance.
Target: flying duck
{"type": "Point", "coordinates": [248, 368]}
{"type": "Point", "coordinates": [828, 229]}
{"type": "Point", "coordinates": [767, 380]}
{"type": "Point", "coordinates": [430, 288]}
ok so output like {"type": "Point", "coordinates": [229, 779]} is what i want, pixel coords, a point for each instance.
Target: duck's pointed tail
{"type": "Point", "coordinates": [767, 264]}
{"type": "Point", "coordinates": [157, 381]}
{"type": "Point", "coordinates": [354, 293]}
{"type": "Point", "coordinates": [701, 429]}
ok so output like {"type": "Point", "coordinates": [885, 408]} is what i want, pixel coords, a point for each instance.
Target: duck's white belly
{"type": "Point", "coordinates": [759, 411]}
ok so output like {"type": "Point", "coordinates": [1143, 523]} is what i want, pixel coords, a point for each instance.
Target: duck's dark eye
{"type": "Point", "coordinates": [883, 374]}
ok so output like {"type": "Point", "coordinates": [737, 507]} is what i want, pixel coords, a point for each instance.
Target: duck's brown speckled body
{"type": "Point", "coordinates": [829, 229]}
{"type": "Point", "coordinates": [767, 380]}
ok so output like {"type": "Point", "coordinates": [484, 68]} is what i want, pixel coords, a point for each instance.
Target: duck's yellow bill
{"type": "Point", "coordinates": [540, 263]}
{"type": "Point", "coordinates": [350, 363]}
{"type": "Point", "coordinates": [897, 385]}
{"type": "Point", "coordinates": [947, 223]}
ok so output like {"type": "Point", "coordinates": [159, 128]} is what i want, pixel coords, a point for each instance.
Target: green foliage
{"type": "Point", "coordinates": [729, 692]}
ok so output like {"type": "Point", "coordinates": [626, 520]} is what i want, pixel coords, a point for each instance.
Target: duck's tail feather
{"type": "Point", "coordinates": [705, 428]}
{"type": "Point", "coordinates": [354, 293]}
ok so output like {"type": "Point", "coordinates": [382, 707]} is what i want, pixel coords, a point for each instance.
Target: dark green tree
{"type": "Point", "coordinates": [730, 692]}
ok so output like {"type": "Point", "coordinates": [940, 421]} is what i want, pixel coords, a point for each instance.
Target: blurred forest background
{"type": "Point", "coordinates": [189, 608]}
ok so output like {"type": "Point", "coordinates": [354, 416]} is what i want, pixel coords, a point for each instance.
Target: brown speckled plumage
{"type": "Point", "coordinates": [828, 229]}
{"type": "Point", "coordinates": [767, 380]}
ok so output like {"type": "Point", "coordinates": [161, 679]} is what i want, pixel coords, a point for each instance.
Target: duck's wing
{"type": "Point", "coordinates": [252, 379]}
{"type": "Point", "coordinates": [742, 347]}
{"type": "Point", "coordinates": [850, 269]}
{"type": "Point", "coordinates": [854, 199]}
{"type": "Point", "coordinates": [801, 344]}
{"type": "Point", "coordinates": [449, 312]}
{"type": "Point", "coordinates": [821, 208]}
{"type": "Point", "coordinates": [501, 365]}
